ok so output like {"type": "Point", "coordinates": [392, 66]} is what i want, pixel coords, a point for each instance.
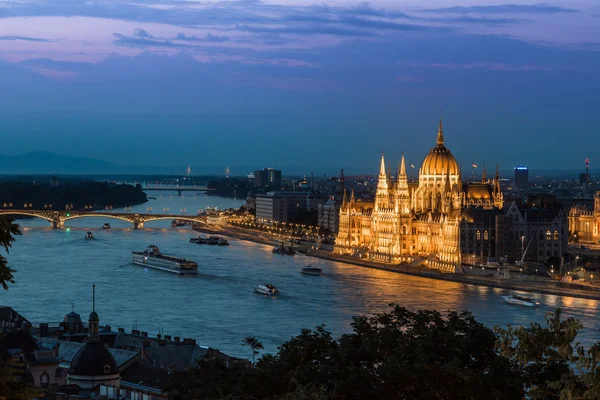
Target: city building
{"type": "Point", "coordinates": [268, 177]}
{"type": "Point", "coordinates": [584, 224]}
{"type": "Point", "coordinates": [585, 179]}
{"type": "Point", "coordinates": [521, 177]}
{"type": "Point", "coordinates": [536, 232]}
{"type": "Point", "coordinates": [422, 219]}
{"type": "Point", "coordinates": [329, 214]}
{"type": "Point", "coordinates": [93, 365]}
{"type": "Point", "coordinates": [287, 206]}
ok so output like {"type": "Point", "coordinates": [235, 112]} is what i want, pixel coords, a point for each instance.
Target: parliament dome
{"type": "Point", "coordinates": [440, 160]}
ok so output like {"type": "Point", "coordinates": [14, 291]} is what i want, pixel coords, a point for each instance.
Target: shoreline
{"type": "Point", "coordinates": [541, 287]}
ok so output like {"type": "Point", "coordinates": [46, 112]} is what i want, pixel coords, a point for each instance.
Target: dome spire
{"type": "Point", "coordinates": [440, 135]}
{"type": "Point", "coordinates": [483, 175]}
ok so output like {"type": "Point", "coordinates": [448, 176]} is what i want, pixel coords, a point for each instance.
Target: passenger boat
{"type": "Point", "coordinates": [89, 235]}
{"type": "Point", "coordinates": [153, 258]}
{"type": "Point", "coordinates": [521, 300]}
{"type": "Point", "coordinates": [266, 289]}
{"type": "Point", "coordinates": [106, 226]}
{"type": "Point", "coordinates": [312, 270]}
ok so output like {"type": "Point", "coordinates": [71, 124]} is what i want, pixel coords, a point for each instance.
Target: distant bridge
{"type": "Point", "coordinates": [58, 218]}
{"type": "Point", "coordinates": [174, 188]}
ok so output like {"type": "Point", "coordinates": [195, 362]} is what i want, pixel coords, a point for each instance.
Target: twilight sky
{"type": "Point", "coordinates": [299, 84]}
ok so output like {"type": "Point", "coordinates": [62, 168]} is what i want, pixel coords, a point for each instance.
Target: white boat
{"type": "Point", "coordinates": [153, 258]}
{"type": "Point", "coordinates": [521, 300]}
{"type": "Point", "coordinates": [266, 289]}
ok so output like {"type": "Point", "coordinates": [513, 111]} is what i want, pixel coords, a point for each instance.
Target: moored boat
{"type": "Point", "coordinates": [89, 235]}
{"type": "Point", "coordinates": [153, 258]}
{"type": "Point", "coordinates": [283, 250]}
{"type": "Point", "coordinates": [106, 226]}
{"type": "Point", "coordinates": [521, 300]}
{"type": "Point", "coordinates": [266, 289]}
{"type": "Point", "coordinates": [311, 270]}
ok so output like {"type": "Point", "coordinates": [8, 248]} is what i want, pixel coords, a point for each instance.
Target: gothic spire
{"type": "Point", "coordinates": [402, 168]}
{"type": "Point", "coordinates": [382, 167]}
{"type": "Point", "coordinates": [352, 197]}
{"type": "Point", "coordinates": [344, 199]}
{"type": "Point", "coordinates": [497, 190]}
{"type": "Point", "coordinates": [440, 135]}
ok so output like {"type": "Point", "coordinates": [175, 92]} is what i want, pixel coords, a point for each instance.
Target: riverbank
{"type": "Point", "coordinates": [543, 287]}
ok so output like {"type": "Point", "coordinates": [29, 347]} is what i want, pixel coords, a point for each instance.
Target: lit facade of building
{"type": "Point", "coordinates": [406, 220]}
{"type": "Point", "coordinates": [584, 224]}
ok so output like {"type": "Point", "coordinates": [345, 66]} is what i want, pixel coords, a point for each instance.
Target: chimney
{"type": "Point", "coordinates": [135, 332]}
{"type": "Point", "coordinates": [145, 334]}
{"type": "Point", "coordinates": [168, 337]}
{"type": "Point", "coordinates": [177, 338]}
{"type": "Point", "coordinates": [121, 330]}
{"type": "Point", "coordinates": [159, 336]}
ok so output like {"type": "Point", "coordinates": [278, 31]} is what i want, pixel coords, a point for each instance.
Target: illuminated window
{"type": "Point", "coordinates": [485, 235]}
{"type": "Point", "coordinates": [555, 235]}
{"type": "Point", "coordinates": [478, 235]}
{"type": "Point", "coordinates": [548, 235]}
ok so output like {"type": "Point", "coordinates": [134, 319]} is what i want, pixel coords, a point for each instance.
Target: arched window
{"type": "Point", "coordinates": [555, 234]}
{"type": "Point", "coordinates": [478, 235]}
{"type": "Point", "coordinates": [404, 230]}
{"type": "Point", "coordinates": [44, 380]}
{"type": "Point", "coordinates": [485, 235]}
{"type": "Point", "coordinates": [548, 235]}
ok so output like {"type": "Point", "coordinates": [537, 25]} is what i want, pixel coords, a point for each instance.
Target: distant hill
{"type": "Point", "coordinates": [41, 162]}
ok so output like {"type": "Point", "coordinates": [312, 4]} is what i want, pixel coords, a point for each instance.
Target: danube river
{"type": "Point", "coordinates": [57, 267]}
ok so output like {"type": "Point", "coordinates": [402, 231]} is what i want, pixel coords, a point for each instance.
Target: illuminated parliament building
{"type": "Point", "coordinates": [440, 217]}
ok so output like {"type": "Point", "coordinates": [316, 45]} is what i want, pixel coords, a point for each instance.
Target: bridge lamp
{"type": "Point", "coordinates": [30, 205]}
{"type": "Point", "coordinates": [4, 205]}
{"type": "Point", "coordinates": [10, 205]}
{"type": "Point", "coordinates": [25, 205]}
{"type": "Point", "coordinates": [50, 206]}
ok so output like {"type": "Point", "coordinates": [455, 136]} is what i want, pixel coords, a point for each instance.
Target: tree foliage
{"type": "Point", "coordinates": [552, 366]}
{"type": "Point", "coordinates": [12, 384]}
{"type": "Point", "coordinates": [8, 231]}
{"type": "Point", "coordinates": [394, 355]}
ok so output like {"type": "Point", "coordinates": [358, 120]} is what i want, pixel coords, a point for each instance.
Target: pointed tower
{"type": "Point", "coordinates": [93, 320]}
{"type": "Point", "coordinates": [382, 182]}
{"type": "Point", "coordinates": [440, 135]}
{"type": "Point", "coordinates": [498, 197]}
{"type": "Point", "coordinates": [344, 200]}
{"type": "Point", "coordinates": [352, 198]}
{"type": "Point", "coordinates": [483, 175]}
{"type": "Point", "coordinates": [402, 195]}
{"type": "Point", "coordinates": [382, 193]}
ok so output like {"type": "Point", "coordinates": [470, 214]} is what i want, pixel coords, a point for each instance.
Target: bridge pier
{"type": "Point", "coordinates": [58, 223]}
{"type": "Point", "coordinates": [138, 225]}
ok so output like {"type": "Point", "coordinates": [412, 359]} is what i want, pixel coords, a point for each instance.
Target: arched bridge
{"type": "Point", "coordinates": [58, 218]}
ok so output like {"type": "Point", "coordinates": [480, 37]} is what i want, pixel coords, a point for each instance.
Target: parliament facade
{"type": "Point", "coordinates": [440, 217]}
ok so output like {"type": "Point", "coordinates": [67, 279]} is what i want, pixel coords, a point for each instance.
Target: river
{"type": "Point", "coordinates": [57, 267]}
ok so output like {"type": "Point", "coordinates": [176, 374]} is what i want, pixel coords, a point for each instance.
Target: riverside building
{"type": "Point", "coordinates": [427, 218]}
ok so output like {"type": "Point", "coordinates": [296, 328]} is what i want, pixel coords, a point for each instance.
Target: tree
{"type": "Point", "coordinates": [394, 355]}
{"type": "Point", "coordinates": [551, 367]}
{"type": "Point", "coordinates": [8, 231]}
{"type": "Point", "coordinates": [254, 344]}
{"type": "Point", "coordinates": [12, 384]}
